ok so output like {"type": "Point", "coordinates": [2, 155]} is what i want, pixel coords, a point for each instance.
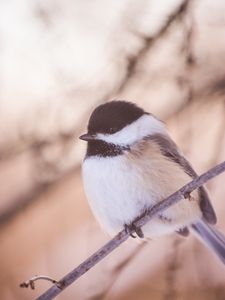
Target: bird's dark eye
{"type": "Point", "coordinates": [112, 130]}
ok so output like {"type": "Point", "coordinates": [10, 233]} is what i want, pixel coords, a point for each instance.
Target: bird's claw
{"type": "Point", "coordinates": [188, 196]}
{"type": "Point", "coordinates": [133, 228]}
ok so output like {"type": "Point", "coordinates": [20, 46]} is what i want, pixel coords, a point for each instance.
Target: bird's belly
{"type": "Point", "coordinates": [113, 193]}
{"type": "Point", "coordinates": [118, 193]}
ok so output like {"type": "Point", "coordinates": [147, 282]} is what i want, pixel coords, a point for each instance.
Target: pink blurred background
{"type": "Point", "coordinates": [59, 59]}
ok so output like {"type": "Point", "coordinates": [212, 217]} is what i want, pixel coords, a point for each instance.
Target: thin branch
{"type": "Point", "coordinates": [123, 235]}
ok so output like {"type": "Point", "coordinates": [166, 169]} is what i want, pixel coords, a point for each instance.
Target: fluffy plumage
{"type": "Point", "coordinates": [120, 188]}
{"type": "Point", "coordinates": [131, 164]}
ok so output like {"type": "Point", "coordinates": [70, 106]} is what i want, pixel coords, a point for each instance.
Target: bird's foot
{"type": "Point", "coordinates": [133, 228]}
{"type": "Point", "coordinates": [183, 231]}
{"type": "Point", "coordinates": [188, 196]}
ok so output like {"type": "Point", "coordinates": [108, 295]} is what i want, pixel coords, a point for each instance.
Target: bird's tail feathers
{"type": "Point", "coordinates": [211, 237]}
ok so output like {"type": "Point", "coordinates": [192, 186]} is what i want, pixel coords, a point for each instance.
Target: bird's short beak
{"type": "Point", "coordinates": [87, 137]}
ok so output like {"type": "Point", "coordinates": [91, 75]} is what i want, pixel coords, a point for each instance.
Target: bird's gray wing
{"type": "Point", "coordinates": [169, 149]}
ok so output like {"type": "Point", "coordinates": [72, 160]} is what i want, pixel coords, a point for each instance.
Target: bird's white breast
{"type": "Point", "coordinates": [114, 191]}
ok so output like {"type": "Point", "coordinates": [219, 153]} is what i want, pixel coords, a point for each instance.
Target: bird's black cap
{"type": "Point", "coordinates": [112, 116]}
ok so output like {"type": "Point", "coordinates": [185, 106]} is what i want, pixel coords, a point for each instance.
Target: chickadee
{"type": "Point", "coordinates": [131, 164]}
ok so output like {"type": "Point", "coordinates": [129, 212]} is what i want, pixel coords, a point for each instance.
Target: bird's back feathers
{"type": "Point", "coordinates": [170, 150]}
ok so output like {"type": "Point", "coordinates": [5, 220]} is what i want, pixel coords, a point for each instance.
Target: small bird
{"type": "Point", "coordinates": [131, 164]}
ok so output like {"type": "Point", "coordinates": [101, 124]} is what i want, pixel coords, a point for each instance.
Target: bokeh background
{"type": "Point", "coordinates": [58, 60]}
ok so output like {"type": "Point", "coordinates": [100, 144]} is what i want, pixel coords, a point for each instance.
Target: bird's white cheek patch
{"type": "Point", "coordinates": [144, 126]}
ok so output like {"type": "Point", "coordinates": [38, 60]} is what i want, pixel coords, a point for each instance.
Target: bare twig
{"type": "Point", "coordinates": [124, 234]}
{"type": "Point", "coordinates": [30, 282]}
